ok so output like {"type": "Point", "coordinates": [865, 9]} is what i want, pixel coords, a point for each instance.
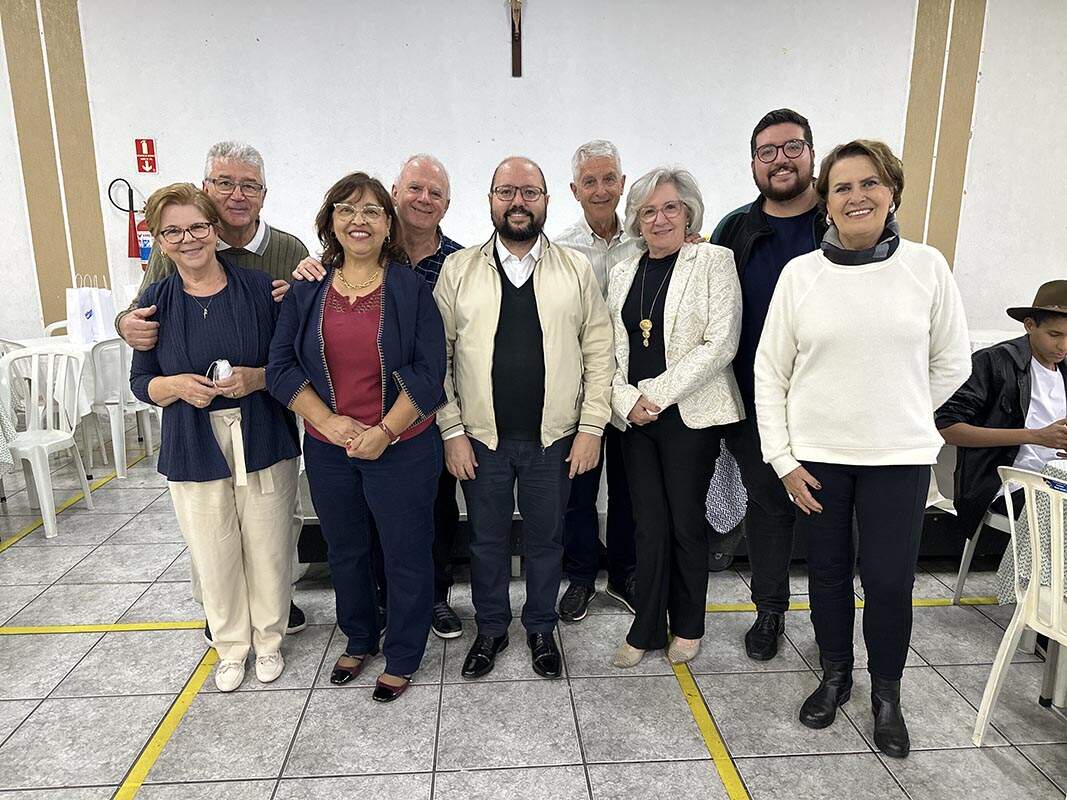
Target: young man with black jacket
{"type": "Point", "coordinates": [1012, 411]}
{"type": "Point", "coordinates": [781, 224]}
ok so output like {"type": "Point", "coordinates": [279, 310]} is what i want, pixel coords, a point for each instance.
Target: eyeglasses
{"type": "Point", "coordinates": [176, 235]}
{"type": "Point", "coordinates": [530, 194]}
{"type": "Point", "coordinates": [672, 209]}
{"type": "Point", "coordinates": [792, 149]}
{"type": "Point", "coordinates": [226, 187]}
{"type": "Point", "coordinates": [345, 212]}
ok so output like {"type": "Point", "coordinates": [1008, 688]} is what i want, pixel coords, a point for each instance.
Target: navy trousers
{"type": "Point", "coordinates": [399, 490]}
{"type": "Point", "coordinates": [543, 487]}
{"type": "Point", "coordinates": [581, 536]}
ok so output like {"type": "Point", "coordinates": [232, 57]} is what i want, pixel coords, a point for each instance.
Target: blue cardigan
{"type": "Point", "coordinates": [411, 343]}
{"type": "Point", "coordinates": [189, 450]}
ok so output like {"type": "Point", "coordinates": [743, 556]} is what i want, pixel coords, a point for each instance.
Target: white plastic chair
{"type": "Point", "coordinates": [993, 520]}
{"type": "Point", "coordinates": [51, 431]}
{"type": "Point", "coordinates": [1040, 608]}
{"type": "Point", "coordinates": [56, 328]}
{"type": "Point", "coordinates": [111, 359]}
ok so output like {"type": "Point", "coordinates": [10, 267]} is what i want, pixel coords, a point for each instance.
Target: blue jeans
{"type": "Point", "coordinates": [399, 490]}
{"type": "Point", "coordinates": [541, 475]}
{"type": "Point", "coordinates": [581, 537]}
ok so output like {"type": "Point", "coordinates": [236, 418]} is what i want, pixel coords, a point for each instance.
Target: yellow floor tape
{"type": "Point", "coordinates": [720, 756]}
{"type": "Point", "coordinates": [22, 534]}
{"type": "Point", "coordinates": [139, 771]}
{"type": "Point", "coordinates": [26, 630]}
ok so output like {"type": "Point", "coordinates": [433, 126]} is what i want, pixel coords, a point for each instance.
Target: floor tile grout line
{"type": "Point", "coordinates": [1038, 767]}
{"type": "Point", "coordinates": [13, 731]}
{"type": "Point", "coordinates": [303, 712]}
{"type": "Point", "coordinates": [440, 706]}
{"type": "Point", "coordinates": [721, 758]}
{"type": "Point", "coordinates": [967, 700]}
{"type": "Point", "coordinates": [43, 589]}
{"type": "Point", "coordinates": [577, 723]}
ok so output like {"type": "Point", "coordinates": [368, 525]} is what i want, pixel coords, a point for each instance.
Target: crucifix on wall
{"type": "Point", "coordinates": [516, 37]}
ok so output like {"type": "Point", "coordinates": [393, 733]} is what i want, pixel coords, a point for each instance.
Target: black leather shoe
{"type": "Point", "coordinates": [547, 662]}
{"type": "Point", "coordinates": [297, 620]}
{"type": "Point", "coordinates": [625, 594]}
{"type": "Point", "coordinates": [820, 709]}
{"type": "Point", "coordinates": [761, 641]}
{"type": "Point", "coordinates": [342, 674]}
{"type": "Point", "coordinates": [574, 604]}
{"type": "Point", "coordinates": [386, 693]}
{"type": "Point", "coordinates": [445, 623]}
{"type": "Point", "coordinates": [890, 731]}
{"type": "Point", "coordinates": [482, 655]}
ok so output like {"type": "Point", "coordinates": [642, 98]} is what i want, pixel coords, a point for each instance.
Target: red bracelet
{"type": "Point", "coordinates": [393, 438]}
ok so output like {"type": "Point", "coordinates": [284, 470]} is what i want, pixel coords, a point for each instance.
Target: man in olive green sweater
{"type": "Point", "coordinates": [234, 181]}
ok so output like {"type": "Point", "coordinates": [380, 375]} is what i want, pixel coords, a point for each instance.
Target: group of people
{"type": "Point", "coordinates": [807, 335]}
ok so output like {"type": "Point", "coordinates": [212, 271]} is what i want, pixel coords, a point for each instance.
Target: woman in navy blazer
{"type": "Point", "coordinates": [361, 357]}
{"type": "Point", "coordinates": [229, 450]}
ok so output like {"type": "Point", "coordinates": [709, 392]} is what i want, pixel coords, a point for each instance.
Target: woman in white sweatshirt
{"type": "Point", "coordinates": [864, 339]}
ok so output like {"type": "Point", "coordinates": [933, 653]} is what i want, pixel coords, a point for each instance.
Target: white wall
{"type": "Point", "coordinates": [20, 301]}
{"type": "Point", "coordinates": [1013, 232]}
{"type": "Point", "coordinates": [344, 85]}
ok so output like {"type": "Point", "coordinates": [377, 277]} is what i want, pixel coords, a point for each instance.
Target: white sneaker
{"type": "Point", "coordinates": [269, 667]}
{"type": "Point", "coordinates": [229, 675]}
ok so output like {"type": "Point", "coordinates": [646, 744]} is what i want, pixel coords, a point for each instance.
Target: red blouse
{"type": "Point", "coordinates": [350, 333]}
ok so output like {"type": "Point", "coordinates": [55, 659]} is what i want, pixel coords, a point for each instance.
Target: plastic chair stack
{"type": "Point", "coordinates": [111, 358]}
{"type": "Point", "coordinates": [52, 372]}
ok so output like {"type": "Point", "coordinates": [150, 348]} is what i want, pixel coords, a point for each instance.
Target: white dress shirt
{"type": "Point", "coordinates": [603, 254]}
{"type": "Point", "coordinates": [518, 269]}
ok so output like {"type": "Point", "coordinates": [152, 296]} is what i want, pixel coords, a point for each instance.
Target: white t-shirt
{"type": "Point", "coordinates": [1048, 403]}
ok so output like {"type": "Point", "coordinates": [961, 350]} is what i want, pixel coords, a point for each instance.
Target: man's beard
{"type": "Point", "coordinates": [785, 194]}
{"type": "Point", "coordinates": [530, 231]}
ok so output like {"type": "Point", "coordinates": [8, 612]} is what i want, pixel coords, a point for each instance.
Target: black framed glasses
{"type": "Point", "coordinates": [176, 235]}
{"type": "Point", "coordinates": [531, 194]}
{"type": "Point", "coordinates": [227, 187]}
{"type": "Point", "coordinates": [792, 149]}
{"type": "Point", "coordinates": [346, 212]}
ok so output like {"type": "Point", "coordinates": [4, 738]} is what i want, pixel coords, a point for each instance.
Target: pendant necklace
{"type": "Point", "coordinates": [646, 322]}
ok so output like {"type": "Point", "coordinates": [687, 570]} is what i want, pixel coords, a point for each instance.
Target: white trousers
{"type": "Point", "coordinates": [239, 533]}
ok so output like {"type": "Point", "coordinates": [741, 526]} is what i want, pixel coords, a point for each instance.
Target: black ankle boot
{"type": "Point", "coordinates": [890, 732]}
{"type": "Point", "coordinates": [820, 709]}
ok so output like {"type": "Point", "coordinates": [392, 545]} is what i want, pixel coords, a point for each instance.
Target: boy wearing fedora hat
{"type": "Point", "coordinates": [1012, 411]}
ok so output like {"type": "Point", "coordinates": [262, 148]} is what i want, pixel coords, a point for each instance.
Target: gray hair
{"type": "Point", "coordinates": [643, 187]}
{"type": "Point", "coordinates": [431, 159]}
{"type": "Point", "coordinates": [598, 148]}
{"type": "Point", "coordinates": [234, 151]}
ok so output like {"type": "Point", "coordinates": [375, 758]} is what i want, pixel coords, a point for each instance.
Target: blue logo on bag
{"type": "Point", "coordinates": [89, 314]}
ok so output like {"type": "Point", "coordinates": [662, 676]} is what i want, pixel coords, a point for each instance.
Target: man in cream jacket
{"type": "Point", "coordinates": [529, 347]}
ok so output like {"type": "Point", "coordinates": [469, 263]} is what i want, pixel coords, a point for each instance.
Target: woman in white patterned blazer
{"type": "Point", "coordinates": [676, 310]}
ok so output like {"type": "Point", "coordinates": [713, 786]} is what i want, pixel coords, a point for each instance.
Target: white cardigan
{"type": "Point", "coordinates": [854, 360]}
{"type": "Point", "coordinates": [701, 326]}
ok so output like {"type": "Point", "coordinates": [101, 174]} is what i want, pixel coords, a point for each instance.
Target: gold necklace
{"type": "Point", "coordinates": [358, 286]}
{"type": "Point", "coordinates": [646, 322]}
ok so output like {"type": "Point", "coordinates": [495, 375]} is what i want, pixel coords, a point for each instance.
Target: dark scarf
{"type": "Point", "coordinates": [839, 254]}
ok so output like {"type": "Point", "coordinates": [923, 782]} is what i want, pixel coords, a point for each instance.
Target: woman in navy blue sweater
{"type": "Point", "coordinates": [232, 491]}
{"type": "Point", "coordinates": [361, 357]}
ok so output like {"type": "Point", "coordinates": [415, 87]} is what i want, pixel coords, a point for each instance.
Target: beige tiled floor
{"type": "Point", "coordinates": [76, 709]}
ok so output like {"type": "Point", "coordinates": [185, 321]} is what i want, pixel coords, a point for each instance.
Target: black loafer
{"type": "Point", "coordinates": [445, 623]}
{"type": "Point", "coordinates": [574, 604]}
{"type": "Point", "coordinates": [482, 656]}
{"type": "Point", "coordinates": [297, 620]}
{"type": "Point", "coordinates": [761, 641]}
{"type": "Point", "coordinates": [544, 655]}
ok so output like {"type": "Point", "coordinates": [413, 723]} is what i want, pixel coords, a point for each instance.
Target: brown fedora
{"type": "Point", "coordinates": [1052, 296]}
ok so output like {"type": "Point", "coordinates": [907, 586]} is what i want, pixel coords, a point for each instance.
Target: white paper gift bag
{"type": "Point", "coordinates": [90, 311]}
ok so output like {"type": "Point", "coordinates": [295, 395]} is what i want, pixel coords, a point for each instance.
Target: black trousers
{"type": "Point", "coordinates": [888, 503]}
{"type": "Point", "coordinates": [669, 466]}
{"type": "Point", "coordinates": [541, 475]}
{"type": "Point", "coordinates": [581, 536]}
{"type": "Point", "coordinates": [768, 520]}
